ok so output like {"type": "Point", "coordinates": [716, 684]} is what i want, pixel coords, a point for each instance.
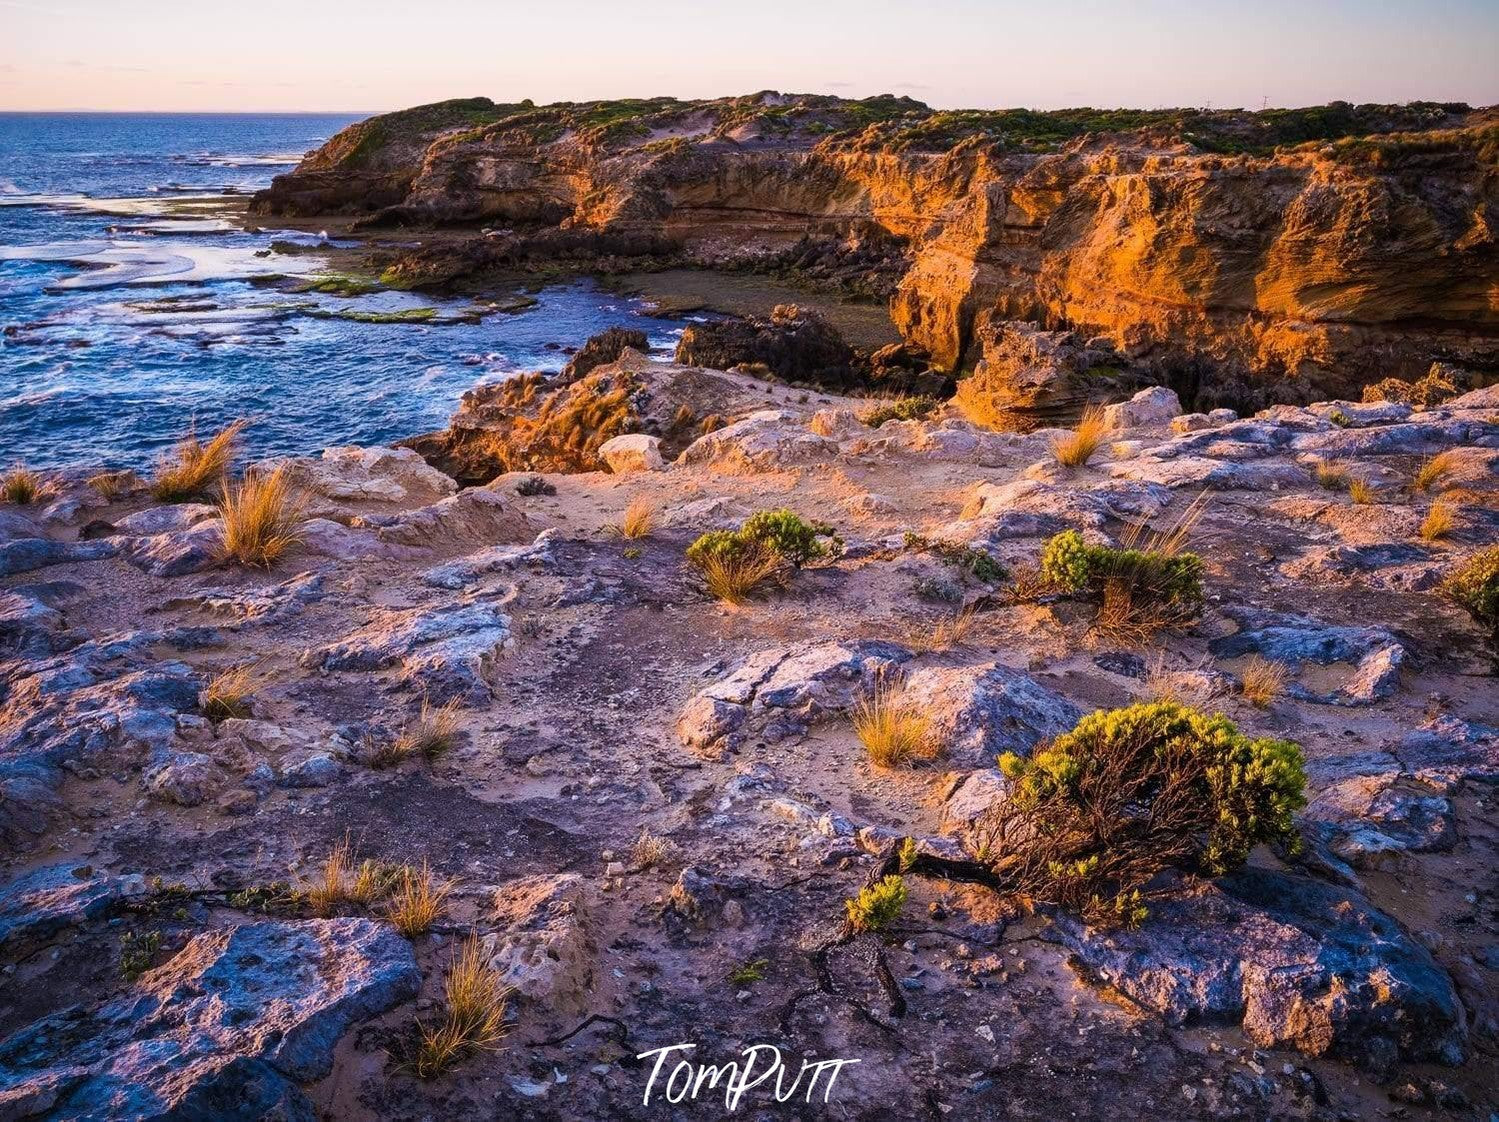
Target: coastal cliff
{"type": "Point", "coordinates": [1301, 253]}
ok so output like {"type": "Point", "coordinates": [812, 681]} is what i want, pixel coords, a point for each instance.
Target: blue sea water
{"type": "Point", "coordinates": [130, 315]}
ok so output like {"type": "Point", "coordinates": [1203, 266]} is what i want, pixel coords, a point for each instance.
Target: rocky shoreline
{"type": "Point", "coordinates": [646, 806]}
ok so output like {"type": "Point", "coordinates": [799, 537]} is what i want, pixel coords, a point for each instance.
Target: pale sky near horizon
{"type": "Point", "coordinates": [385, 54]}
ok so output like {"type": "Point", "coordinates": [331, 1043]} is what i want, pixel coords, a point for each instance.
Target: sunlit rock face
{"type": "Point", "coordinates": [1310, 269]}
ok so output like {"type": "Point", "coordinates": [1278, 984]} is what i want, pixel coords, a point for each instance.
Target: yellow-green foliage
{"type": "Point", "coordinates": [877, 906]}
{"type": "Point", "coordinates": [899, 409]}
{"type": "Point", "coordinates": [1070, 565]}
{"type": "Point", "coordinates": [1129, 792]}
{"type": "Point", "coordinates": [780, 533]}
{"type": "Point", "coordinates": [1475, 585]}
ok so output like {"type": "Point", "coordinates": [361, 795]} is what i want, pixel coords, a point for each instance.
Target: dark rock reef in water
{"type": "Point", "coordinates": [1315, 250]}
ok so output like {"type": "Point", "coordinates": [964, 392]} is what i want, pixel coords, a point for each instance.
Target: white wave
{"type": "Point", "coordinates": [8, 187]}
{"type": "Point", "coordinates": [111, 263]}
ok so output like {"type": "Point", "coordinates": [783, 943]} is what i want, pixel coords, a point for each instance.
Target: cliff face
{"type": "Point", "coordinates": [1201, 244]}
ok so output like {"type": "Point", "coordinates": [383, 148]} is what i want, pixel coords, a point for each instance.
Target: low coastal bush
{"type": "Point", "coordinates": [1077, 447]}
{"type": "Point", "coordinates": [261, 516]}
{"type": "Point", "coordinates": [780, 534]}
{"type": "Point", "coordinates": [976, 561]}
{"type": "Point", "coordinates": [1069, 564]}
{"type": "Point", "coordinates": [193, 469]}
{"type": "Point", "coordinates": [21, 485]}
{"type": "Point", "coordinates": [1128, 793]}
{"type": "Point", "coordinates": [899, 409]}
{"type": "Point", "coordinates": [1475, 586]}
{"type": "Point", "coordinates": [473, 1019]}
{"type": "Point", "coordinates": [877, 906]}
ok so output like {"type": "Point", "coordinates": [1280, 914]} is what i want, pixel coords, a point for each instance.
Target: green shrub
{"type": "Point", "coordinates": [901, 409]}
{"type": "Point", "coordinates": [876, 907]}
{"type": "Point", "coordinates": [1129, 792]}
{"type": "Point", "coordinates": [1475, 586]}
{"type": "Point", "coordinates": [976, 561]}
{"type": "Point", "coordinates": [1070, 565]}
{"type": "Point", "coordinates": [779, 532]}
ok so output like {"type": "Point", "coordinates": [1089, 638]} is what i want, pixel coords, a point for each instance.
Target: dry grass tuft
{"type": "Point", "coordinates": [652, 850]}
{"type": "Point", "coordinates": [474, 1020]}
{"type": "Point", "coordinates": [733, 577]}
{"type": "Point", "coordinates": [431, 732]}
{"type": "Point", "coordinates": [1262, 681]}
{"type": "Point", "coordinates": [193, 468]}
{"type": "Point", "coordinates": [262, 518]}
{"type": "Point", "coordinates": [1076, 449]}
{"type": "Point", "coordinates": [892, 729]}
{"type": "Point", "coordinates": [325, 894]}
{"type": "Point", "coordinates": [1439, 522]}
{"type": "Point", "coordinates": [370, 882]}
{"type": "Point", "coordinates": [639, 519]}
{"type": "Point", "coordinates": [417, 902]}
{"type": "Point", "coordinates": [113, 484]}
{"type": "Point", "coordinates": [227, 694]}
{"type": "Point", "coordinates": [947, 632]}
{"type": "Point", "coordinates": [21, 485]}
{"type": "Point", "coordinates": [1431, 471]}
{"type": "Point", "coordinates": [1331, 476]}
{"type": "Point", "coordinates": [1362, 492]}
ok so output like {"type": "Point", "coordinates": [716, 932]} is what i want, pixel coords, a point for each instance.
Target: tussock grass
{"type": "Point", "coordinates": [1362, 492]}
{"type": "Point", "coordinates": [1431, 471]}
{"type": "Point", "coordinates": [21, 485]}
{"type": "Point", "coordinates": [1076, 448]}
{"type": "Point", "coordinates": [733, 577]}
{"type": "Point", "coordinates": [227, 694]}
{"type": "Point", "coordinates": [1262, 681]}
{"type": "Point", "coordinates": [1439, 522]}
{"type": "Point", "coordinates": [194, 468]}
{"type": "Point", "coordinates": [1331, 476]}
{"type": "Point", "coordinates": [947, 632]}
{"type": "Point", "coordinates": [892, 729]}
{"type": "Point", "coordinates": [113, 484]}
{"type": "Point", "coordinates": [332, 887]}
{"type": "Point", "coordinates": [431, 732]}
{"type": "Point", "coordinates": [639, 519]}
{"type": "Point", "coordinates": [474, 1019]}
{"type": "Point", "coordinates": [652, 850]}
{"type": "Point", "coordinates": [262, 518]}
{"type": "Point", "coordinates": [417, 902]}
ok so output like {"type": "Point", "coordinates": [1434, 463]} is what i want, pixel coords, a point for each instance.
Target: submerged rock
{"type": "Point", "coordinates": [227, 1029]}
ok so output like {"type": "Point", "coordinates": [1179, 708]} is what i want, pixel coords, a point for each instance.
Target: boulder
{"type": "Point", "coordinates": [633, 452]}
{"type": "Point", "coordinates": [543, 948]}
{"type": "Point", "coordinates": [1027, 376]}
{"type": "Point", "coordinates": [168, 519]}
{"type": "Point", "coordinates": [1297, 962]}
{"type": "Point", "coordinates": [764, 441]}
{"type": "Point", "coordinates": [1150, 408]}
{"type": "Point", "coordinates": [978, 712]}
{"type": "Point", "coordinates": [178, 552]}
{"type": "Point", "coordinates": [793, 343]}
{"type": "Point", "coordinates": [21, 555]}
{"type": "Point", "coordinates": [352, 475]}
{"type": "Point", "coordinates": [227, 1029]}
{"type": "Point", "coordinates": [777, 693]}
{"type": "Point", "coordinates": [605, 347]}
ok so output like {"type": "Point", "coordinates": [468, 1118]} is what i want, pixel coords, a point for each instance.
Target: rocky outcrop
{"type": "Point", "coordinates": [793, 343]}
{"type": "Point", "coordinates": [1315, 268]}
{"type": "Point", "coordinates": [227, 1029]}
{"type": "Point", "coordinates": [1297, 962]}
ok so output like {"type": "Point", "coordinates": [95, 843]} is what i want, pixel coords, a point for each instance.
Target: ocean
{"type": "Point", "coordinates": [131, 310]}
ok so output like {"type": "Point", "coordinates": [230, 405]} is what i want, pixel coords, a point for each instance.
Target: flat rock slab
{"type": "Point", "coordinates": [24, 554]}
{"type": "Point", "coordinates": [777, 693]}
{"type": "Point", "coordinates": [1298, 962]}
{"type": "Point", "coordinates": [46, 900]}
{"type": "Point", "coordinates": [226, 1030]}
{"type": "Point", "coordinates": [1373, 653]}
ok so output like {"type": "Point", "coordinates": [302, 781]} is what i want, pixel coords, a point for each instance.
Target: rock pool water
{"type": "Point", "coordinates": [131, 310]}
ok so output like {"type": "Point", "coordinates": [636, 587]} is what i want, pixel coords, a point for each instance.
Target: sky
{"type": "Point", "coordinates": [371, 55]}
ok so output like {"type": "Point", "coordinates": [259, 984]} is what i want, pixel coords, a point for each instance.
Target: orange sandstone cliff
{"type": "Point", "coordinates": [1302, 252]}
